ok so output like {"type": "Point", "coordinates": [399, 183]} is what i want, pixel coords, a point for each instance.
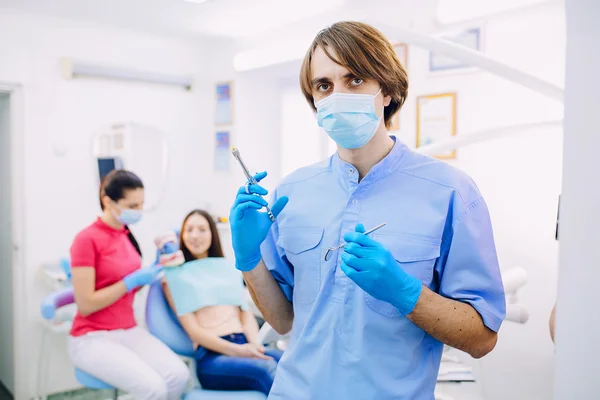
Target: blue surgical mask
{"type": "Point", "coordinates": [129, 216]}
{"type": "Point", "coordinates": [349, 119]}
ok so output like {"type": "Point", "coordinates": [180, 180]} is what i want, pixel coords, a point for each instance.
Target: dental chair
{"type": "Point", "coordinates": [163, 323]}
{"type": "Point", "coordinates": [50, 304]}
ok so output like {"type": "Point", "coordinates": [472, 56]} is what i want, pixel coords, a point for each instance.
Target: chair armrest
{"type": "Point", "coordinates": [56, 300]}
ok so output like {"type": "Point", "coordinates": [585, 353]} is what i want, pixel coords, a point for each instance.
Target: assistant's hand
{"type": "Point", "coordinates": [141, 277]}
{"type": "Point", "coordinates": [249, 226]}
{"type": "Point", "coordinates": [373, 268]}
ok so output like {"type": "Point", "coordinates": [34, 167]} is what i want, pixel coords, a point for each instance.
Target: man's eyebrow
{"type": "Point", "coordinates": [319, 80]}
{"type": "Point", "coordinates": [315, 81]}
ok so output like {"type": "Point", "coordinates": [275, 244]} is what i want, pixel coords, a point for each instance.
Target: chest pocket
{"type": "Point", "coordinates": [415, 255]}
{"type": "Point", "coordinates": [303, 251]}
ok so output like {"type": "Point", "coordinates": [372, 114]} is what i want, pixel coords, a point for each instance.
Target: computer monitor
{"type": "Point", "coordinates": [105, 165]}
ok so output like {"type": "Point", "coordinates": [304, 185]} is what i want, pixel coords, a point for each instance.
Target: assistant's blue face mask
{"type": "Point", "coordinates": [349, 119]}
{"type": "Point", "coordinates": [128, 216]}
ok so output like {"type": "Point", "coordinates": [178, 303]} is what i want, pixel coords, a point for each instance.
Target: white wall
{"type": "Point", "coordinates": [61, 192]}
{"type": "Point", "coordinates": [6, 290]}
{"type": "Point", "coordinates": [302, 140]}
{"type": "Point", "coordinates": [519, 176]}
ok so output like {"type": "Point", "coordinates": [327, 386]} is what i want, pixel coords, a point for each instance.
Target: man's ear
{"type": "Point", "coordinates": [387, 100]}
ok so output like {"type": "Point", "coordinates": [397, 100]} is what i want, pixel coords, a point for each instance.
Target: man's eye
{"type": "Point", "coordinates": [357, 81]}
{"type": "Point", "coordinates": [323, 87]}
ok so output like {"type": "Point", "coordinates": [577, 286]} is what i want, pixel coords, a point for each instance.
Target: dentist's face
{"type": "Point", "coordinates": [197, 236]}
{"type": "Point", "coordinates": [329, 77]}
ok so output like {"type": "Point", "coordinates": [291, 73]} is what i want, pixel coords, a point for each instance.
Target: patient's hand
{"type": "Point", "coordinates": [250, 350]}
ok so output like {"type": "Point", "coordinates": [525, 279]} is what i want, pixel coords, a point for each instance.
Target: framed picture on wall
{"type": "Point", "coordinates": [224, 103]}
{"type": "Point", "coordinates": [470, 38]}
{"type": "Point", "coordinates": [402, 53]}
{"type": "Point", "coordinates": [222, 150]}
{"type": "Point", "coordinates": [436, 121]}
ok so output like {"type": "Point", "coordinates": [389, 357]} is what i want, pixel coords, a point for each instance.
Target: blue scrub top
{"type": "Point", "coordinates": [344, 343]}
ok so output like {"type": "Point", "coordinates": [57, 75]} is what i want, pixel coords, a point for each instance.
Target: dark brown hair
{"type": "Point", "coordinates": [367, 54]}
{"type": "Point", "coordinates": [114, 184]}
{"type": "Point", "coordinates": [215, 249]}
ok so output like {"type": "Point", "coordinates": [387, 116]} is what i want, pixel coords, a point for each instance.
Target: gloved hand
{"type": "Point", "coordinates": [169, 253]}
{"type": "Point", "coordinates": [166, 243]}
{"type": "Point", "coordinates": [249, 226]}
{"type": "Point", "coordinates": [141, 277]}
{"type": "Point", "coordinates": [373, 268]}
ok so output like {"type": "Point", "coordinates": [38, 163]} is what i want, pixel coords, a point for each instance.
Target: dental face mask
{"type": "Point", "coordinates": [349, 119]}
{"type": "Point", "coordinates": [128, 216]}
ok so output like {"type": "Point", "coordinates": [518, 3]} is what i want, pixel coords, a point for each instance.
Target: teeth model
{"type": "Point", "coordinates": [171, 260]}
{"type": "Point", "coordinates": [170, 256]}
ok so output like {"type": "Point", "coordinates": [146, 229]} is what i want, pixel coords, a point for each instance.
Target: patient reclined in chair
{"type": "Point", "coordinates": [206, 287]}
{"type": "Point", "coordinates": [206, 293]}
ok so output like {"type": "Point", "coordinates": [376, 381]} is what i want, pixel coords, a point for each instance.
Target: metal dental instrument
{"type": "Point", "coordinates": [250, 177]}
{"type": "Point", "coordinates": [329, 250]}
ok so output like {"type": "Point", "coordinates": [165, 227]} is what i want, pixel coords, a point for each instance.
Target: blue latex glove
{"type": "Point", "coordinates": [373, 268]}
{"type": "Point", "coordinates": [141, 277]}
{"type": "Point", "coordinates": [249, 226]}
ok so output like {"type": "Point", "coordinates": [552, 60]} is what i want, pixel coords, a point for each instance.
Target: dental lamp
{"type": "Point", "coordinates": [513, 280]}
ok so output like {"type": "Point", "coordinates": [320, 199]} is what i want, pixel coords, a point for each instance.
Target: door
{"type": "Point", "coordinates": [6, 249]}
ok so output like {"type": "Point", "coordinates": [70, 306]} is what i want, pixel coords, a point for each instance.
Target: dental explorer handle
{"type": "Point", "coordinates": [332, 249]}
{"type": "Point", "coordinates": [238, 157]}
{"type": "Point", "coordinates": [250, 177]}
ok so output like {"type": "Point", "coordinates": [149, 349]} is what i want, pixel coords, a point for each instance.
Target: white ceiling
{"type": "Point", "coordinates": [251, 21]}
{"type": "Point", "coordinates": [225, 18]}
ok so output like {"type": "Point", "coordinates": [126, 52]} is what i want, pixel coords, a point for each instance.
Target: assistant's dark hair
{"type": "Point", "coordinates": [114, 184]}
{"type": "Point", "coordinates": [215, 249]}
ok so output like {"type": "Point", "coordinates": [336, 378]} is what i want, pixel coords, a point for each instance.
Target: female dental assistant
{"type": "Point", "coordinates": [370, 322]}
{"type": "Point", "coordinates": [105, 340]}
